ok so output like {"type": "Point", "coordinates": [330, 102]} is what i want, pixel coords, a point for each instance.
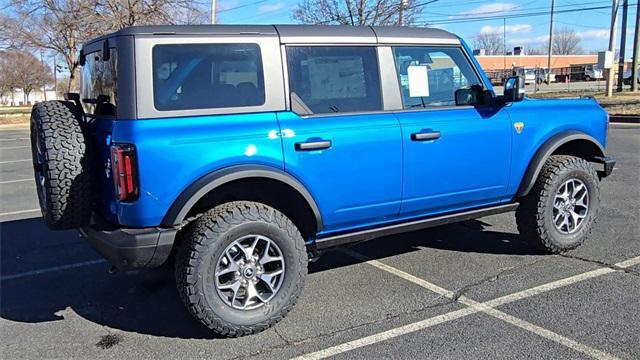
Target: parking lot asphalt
{"type": "Point", "coordinates": [471, 290]}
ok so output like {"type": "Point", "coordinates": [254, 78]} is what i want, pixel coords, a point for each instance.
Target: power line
{"type": "Point", "coordinates": [513, 16]}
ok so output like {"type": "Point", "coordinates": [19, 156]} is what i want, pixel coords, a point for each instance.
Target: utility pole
{"type": "Point", "coordinates": [550, 52]}
{"type": "Point", "coordinates": [623, 42]}
{"type": "Point", "coordinates": [403, 4]}
{"type": "Point", "coordinates": [213, 11]}
{"type": "Point", "coordinates": [504, 47]}
{"type": "Point", "coordinates": [612, 46]}
{"type": "Point", "coordinates": [636, 51]}
{"type": "Point", "coordinates": [44, 87]}
{"type": "Point", "coordinates": [55, 77]}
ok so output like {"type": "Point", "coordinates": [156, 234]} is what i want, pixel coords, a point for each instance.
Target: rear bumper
{"type": "Point", "coordinates": [130, 248]}
{"type": "Point", "coordinates": [608, 164]}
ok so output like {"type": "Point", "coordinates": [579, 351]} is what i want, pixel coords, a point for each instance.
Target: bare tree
{"type": "Point", "coordinates": [62, 26]}
{"type": "Point", "coordinates": [537, 50]}
{"type": "Point", "coordinates": [25, 71]}
{"type": "Point", "coordinates": [491, 42]}
{"type": "Point", "coordinates": [6, 82]}
{"type": "Point", "coordinates": [566, 42]}
{"type": "Point", "coordinates": [358, 12]}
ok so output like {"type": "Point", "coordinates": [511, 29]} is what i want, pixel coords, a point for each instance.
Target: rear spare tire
{"type": "Point", "coordinates": [62, 164]}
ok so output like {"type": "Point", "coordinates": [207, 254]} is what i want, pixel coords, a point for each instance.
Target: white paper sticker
{"type": "Point", "coordinates": [418, 81]}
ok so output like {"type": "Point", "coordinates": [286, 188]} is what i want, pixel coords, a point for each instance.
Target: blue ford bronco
{"type": "Point", "coordinates": [241, 152]}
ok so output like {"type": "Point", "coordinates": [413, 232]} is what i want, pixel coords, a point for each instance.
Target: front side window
{"type": "Point", "coordinates": [203, 76]}
{"type": "Point", "coordinates": [430, 76]}
{"type": "Point", "coordinates": [334, 79]}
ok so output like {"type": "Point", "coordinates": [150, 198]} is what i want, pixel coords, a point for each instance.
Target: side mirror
{"type": "Point", "coordinates": [473, 96]}
{"type": "Point", "coordinates": [465, 97]}
{"type": "Point", "coordinates": [514, 89]}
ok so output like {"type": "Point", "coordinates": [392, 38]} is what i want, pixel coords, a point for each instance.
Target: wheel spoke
{"type": "Point", "coordinates": [250, 293]}
{"type": "Point", "coordinates": [557, 217]}
{"type": "Point", "coordinates": [232, 267]}
{"type": "Point", "coordinates": [268, 278]}
{"type": "Point", "coordinates": [248, 251]}
{"type": "Point", "coordinates": [582, 200]}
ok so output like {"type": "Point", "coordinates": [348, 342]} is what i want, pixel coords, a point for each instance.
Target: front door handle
{"type": "Point", "coordinates": [425, 136]}
{"type": "Point", "coordinates": [313, 145]}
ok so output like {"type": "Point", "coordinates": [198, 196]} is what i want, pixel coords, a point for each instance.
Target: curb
{"type": "Point", "coordinates": [626, 119]}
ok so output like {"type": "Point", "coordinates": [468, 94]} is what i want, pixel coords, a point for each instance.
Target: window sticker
{"type": "Point", "coordinates": [418, 81]}
{"type": "Point", "coordinates": [336, 77]}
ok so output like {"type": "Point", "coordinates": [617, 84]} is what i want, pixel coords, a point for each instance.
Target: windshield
{"type": "Point", "coordinates": [98, 89]}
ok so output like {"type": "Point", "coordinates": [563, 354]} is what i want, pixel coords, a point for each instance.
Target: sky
{"type": "Point", "coordinates": [591, 26]}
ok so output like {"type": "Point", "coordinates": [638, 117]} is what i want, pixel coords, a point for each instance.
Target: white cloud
{"type": "Point", "coordinates": [490, 9]}
{"type": "Point", "coordinates": [593, 34]}
{"type": "Point", "coordinates": [263, 9]}
{"type": "Point", "coordinates": [511, 29]}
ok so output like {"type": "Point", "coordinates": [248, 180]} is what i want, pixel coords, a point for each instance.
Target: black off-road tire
{"type": "Point", "coordinates": [63, 166]}
{"type": "Point", "coordinates": [201, 245]}
{"type": "Point", "coordinates": [534, 216]}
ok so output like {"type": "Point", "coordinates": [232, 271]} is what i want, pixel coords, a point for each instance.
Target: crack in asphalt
{"type": "Point", "coordinates": [492, 278]}
{"type": "Point", "coordinates": [602, 264]}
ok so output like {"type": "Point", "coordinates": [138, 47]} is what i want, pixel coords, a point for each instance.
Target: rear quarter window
{"type": "Point", "coordinates": [203, 76]}
{"type": "Point", "coordinates": [98, 86]}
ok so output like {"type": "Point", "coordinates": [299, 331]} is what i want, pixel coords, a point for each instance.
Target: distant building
{"type": "Point", "coordinates": [17, 98]}
{"type": "Point", "coordinates": [500, 62]}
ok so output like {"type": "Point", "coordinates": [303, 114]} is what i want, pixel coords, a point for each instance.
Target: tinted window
{"type": "Point", "coordinates": [207, 76]}
{"type": "Point", "coordinates": [334, 79]}
{"type": "Point", "coordinates": [98, 89]}
{"type": "Point", "coordinates": [429, 76]}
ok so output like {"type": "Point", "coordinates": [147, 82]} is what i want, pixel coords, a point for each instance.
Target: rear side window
{"type": "Point", "coordinates": [202, 76]}
{"type": "Point", "coordinates": [430, 76]}
{"type": "Point", "coordinates": [334, 79]}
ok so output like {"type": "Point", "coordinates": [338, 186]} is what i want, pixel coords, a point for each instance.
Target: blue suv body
{"type": "Point", "coordinates": [348, 133]}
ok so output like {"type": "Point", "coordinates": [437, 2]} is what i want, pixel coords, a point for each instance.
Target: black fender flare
{"type": "Point", "coordinates": [194, 192]}
{"type": "Point", "coordinates": [543, 153]}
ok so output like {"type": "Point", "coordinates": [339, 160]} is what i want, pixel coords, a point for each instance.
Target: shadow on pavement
{"type": "Point", "coordinates": [146, 301]}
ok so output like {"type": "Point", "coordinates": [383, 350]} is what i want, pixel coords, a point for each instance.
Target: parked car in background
{"type": "Point", "coordinates": [246, 151]}
{"type": "Point", "coordinates": [627, 76]}
{"type": "Point", "coordinates": [593, 72]}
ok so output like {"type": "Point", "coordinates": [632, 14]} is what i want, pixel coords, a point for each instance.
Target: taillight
{"type": "Point", "coordinates": [125, 179]}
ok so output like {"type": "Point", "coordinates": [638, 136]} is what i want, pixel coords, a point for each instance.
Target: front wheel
{"type": "Point", "coordinates": [241, 267]}
{"type": "Point", "coordinates": [559, 212]}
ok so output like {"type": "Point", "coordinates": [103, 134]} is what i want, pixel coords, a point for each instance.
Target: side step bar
{"type": "Point", "coordinates": [363, 235]}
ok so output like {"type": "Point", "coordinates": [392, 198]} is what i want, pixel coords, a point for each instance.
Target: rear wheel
{"type": "Point", "coordinates": [559, 212]}
{"type": "Point", "coordinates": [62, 163]}
{"type": "Point", "coordinates": [241, 267]}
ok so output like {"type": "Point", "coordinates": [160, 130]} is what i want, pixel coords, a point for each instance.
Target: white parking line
{"type": "Point", "coordinates": [14, 147]}
{"type": "Point", "coordinates": [14, 161]}
{"type": "Point", "coordinates": [19, 212]}
{"type": "Point", "coordinates": [51, 269]}
{"type": "Point", "coordinates": [15, 139]}
{"type": "Point", "coordinates": [15, 181]}
{"type": "Point", "coordinates": [473, 307]}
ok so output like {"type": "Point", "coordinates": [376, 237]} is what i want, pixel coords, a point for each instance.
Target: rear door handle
{"type": "Point", "coordinates": [425, 136]}
{"type": "Point", "coordinates": [313, 145]}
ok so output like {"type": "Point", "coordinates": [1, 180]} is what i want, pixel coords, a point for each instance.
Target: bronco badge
{"type": "Point", "coordinates": [519, 126]}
